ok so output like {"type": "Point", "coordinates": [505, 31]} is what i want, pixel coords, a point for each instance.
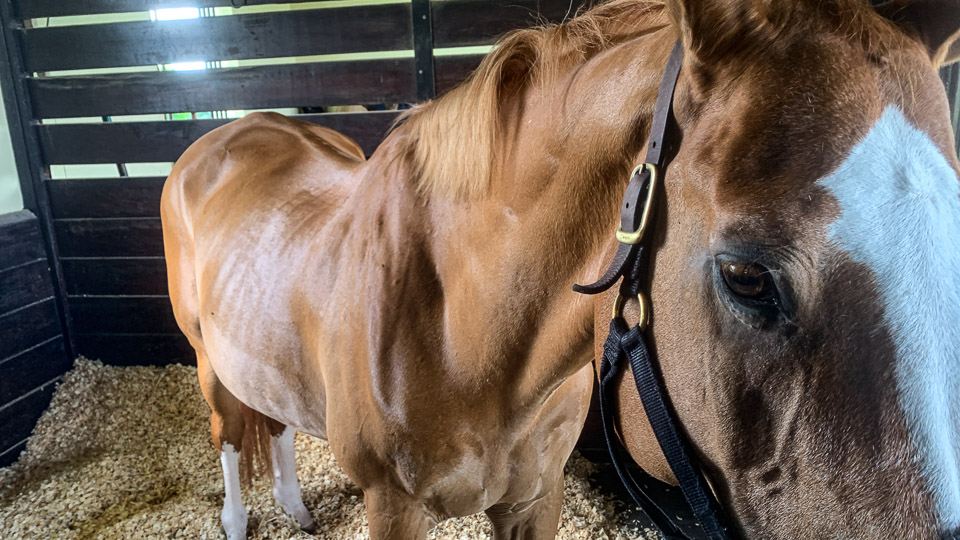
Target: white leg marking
{"type": "Point", "coordinates": [234, 515]}
{"type": "Point", "coordinates": [286, 488]}
{"type": "Point", "coordinates": [900, 202]}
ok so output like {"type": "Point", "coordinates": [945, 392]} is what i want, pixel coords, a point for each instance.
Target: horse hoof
{"type": "Point", "coordinates": [236, 527]}
{"type": "Point", "coordinates": [236, 533]}
{"type": "Point", "coordinates": [310, 529]}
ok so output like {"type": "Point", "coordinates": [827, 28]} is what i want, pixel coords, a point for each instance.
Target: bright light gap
{"type": "Point", "coordinates": [134, 16]}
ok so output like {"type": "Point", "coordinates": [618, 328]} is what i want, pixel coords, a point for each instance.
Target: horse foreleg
{"type": "Point", "coordinates": [286, 487]}
{"type": "Point", "coordinates": [534, 521]}
{"type": "Point", "coordinates": [393, 516]}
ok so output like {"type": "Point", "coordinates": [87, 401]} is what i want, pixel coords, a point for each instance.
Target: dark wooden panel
{"type": "Point", "coordinates": [262, 87]}
{"type": "Point", "coordinates": [27, 9]}
{"type": "Point", "coordinates": [452, 70]}
{"type": "Point", "coordinates": [951, 82]}
{"type": "Point", "coordinates": [110, 237]}
{"type": "Point", "coordinates": [20, 240]}
{"type": "Point", "coordinates": [133, 142]}
{"type": "Point", "coordinates": [123, 315]}
{"type": "Point", "coordinates": [137, 350]}
{"type": "Point", "coordinates": [261, 35]}
{"type": "Point", "coordinates": [145, 276]}
{"type": "Point", "coordinates": [18, 418]}
{"type": "Point", "coordinates": [422, 13]}
{"type": "Point", "coordinates": [24, 285]}
{"type": "Point", "coordinates": [105, 197]}
{"type": "Point", "coordinates": [26, 147]}
{"type": "Point", "coordinates": [459, 23]}
{"type": "Point", "coordinates": [27, 327]}
{"type": "Point", "coordinates": [10, 456]}
{"type": "Point", "coordinates": [30, 369]}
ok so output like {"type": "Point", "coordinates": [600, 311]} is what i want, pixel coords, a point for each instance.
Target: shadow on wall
{"type": "Point", "coordinates": [10, 200]}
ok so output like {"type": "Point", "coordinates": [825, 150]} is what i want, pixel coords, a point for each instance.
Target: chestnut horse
{"type": "Point", "coordinates": [415, 309]}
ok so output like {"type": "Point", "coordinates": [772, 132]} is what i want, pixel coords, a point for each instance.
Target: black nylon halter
{"type": "Point", "coordinates": [628, 344]}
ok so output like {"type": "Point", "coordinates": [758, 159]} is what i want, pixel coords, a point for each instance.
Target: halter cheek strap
{"type": "Point", "coordinates": [637, 201]}
{"type": "Point", "coordinates": [625, 344]}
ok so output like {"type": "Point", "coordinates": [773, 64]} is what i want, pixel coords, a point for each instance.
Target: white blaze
{"type": "Point", "coordinates": [900, 203]}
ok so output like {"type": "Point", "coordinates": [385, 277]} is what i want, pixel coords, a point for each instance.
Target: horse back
{"type": "Point", "coordinates": [259, 145]}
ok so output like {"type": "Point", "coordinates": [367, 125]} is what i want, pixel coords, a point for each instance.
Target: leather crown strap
{"type": "Point", "coordinates": [628, 344]}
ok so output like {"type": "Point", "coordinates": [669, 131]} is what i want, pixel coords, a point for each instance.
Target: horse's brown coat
{"type": "Point", "coordinates": [416, 308]}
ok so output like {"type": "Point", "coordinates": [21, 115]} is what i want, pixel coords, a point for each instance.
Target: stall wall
{"type": "Point", "coordinates": [32, 352]}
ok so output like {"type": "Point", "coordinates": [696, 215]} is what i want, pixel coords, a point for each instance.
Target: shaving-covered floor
{"type": "Point", "coordinates": [126, 453]}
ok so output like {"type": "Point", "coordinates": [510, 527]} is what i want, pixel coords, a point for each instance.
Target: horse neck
{"type": "Point", "coordinates": [505, 260]}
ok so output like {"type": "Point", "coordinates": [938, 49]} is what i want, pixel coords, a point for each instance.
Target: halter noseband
{"type": "Point", "coordinates": [625, 343]}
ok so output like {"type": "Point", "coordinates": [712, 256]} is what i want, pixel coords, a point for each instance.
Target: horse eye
{"type": "Point", "coordinates": [747, 280]}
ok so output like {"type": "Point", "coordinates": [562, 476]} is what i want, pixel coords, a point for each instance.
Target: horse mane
{"type": "Point", "coordinates": [453, 142]}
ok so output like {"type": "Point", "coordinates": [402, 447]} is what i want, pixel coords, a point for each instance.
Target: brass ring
{"type": "Point", "coordinates": [644, 312]}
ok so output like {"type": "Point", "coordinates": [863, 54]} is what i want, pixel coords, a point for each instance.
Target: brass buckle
{"type": "Point", "coordinates": [644, 311]}
{"type": "Point", "coordinates": [632, 238]}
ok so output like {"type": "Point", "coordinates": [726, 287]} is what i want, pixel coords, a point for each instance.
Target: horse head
{"type": "Point", "coordinates": [805, 281]}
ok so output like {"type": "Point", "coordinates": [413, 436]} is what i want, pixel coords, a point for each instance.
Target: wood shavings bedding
{"type": "Point", "coordinates": [125, 452]}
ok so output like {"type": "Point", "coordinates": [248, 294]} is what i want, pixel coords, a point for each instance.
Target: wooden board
{"type": "Point", "coordinates": [951, 82]}
{"type": "Point", "coordinates": [23, 285]}
{"type": "Point", "coordinates": [460, 23]}
{"type": "Point", "coordinates": [263, 87]}
{"type": "Point", "coordinates": [9, 456]}
{"type": "Point", "coordinates": [137, 349]}
{"type": "Point", "coordinates": [452, 70]}
{"type": "Point", "coordinates": [32, 350]}
{"type": "Point", "coordinates": [106, 197]}
{"type": "Point", "coordinates": [18, 418]}
{"type": "Point", "coordinates": [27, 327]}
{"type": "Point", "coordinates": [262, 35]}
{"type": "Point", "coordinates": [123, 315]}
{"type": "Point", "coordinates": [20, 240]}
{"type": "Point", "coordinates": [147, 142]}
{"type": "Point", "coordinates": [32, 368]}
{"type": "Point", "coordinates": [138, 237]}
{"type": "Point", "coordinates": [28, 314]}
{"type": "Point", "coordinates": [116, 277]}
{"type": "Point", "coordinates": [25, 9]}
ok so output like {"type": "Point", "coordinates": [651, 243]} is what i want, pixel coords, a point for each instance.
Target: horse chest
{"type": "Point", "coordinates": [470, 481]}
{"type": "Point", "coordinates": [458, 467]}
